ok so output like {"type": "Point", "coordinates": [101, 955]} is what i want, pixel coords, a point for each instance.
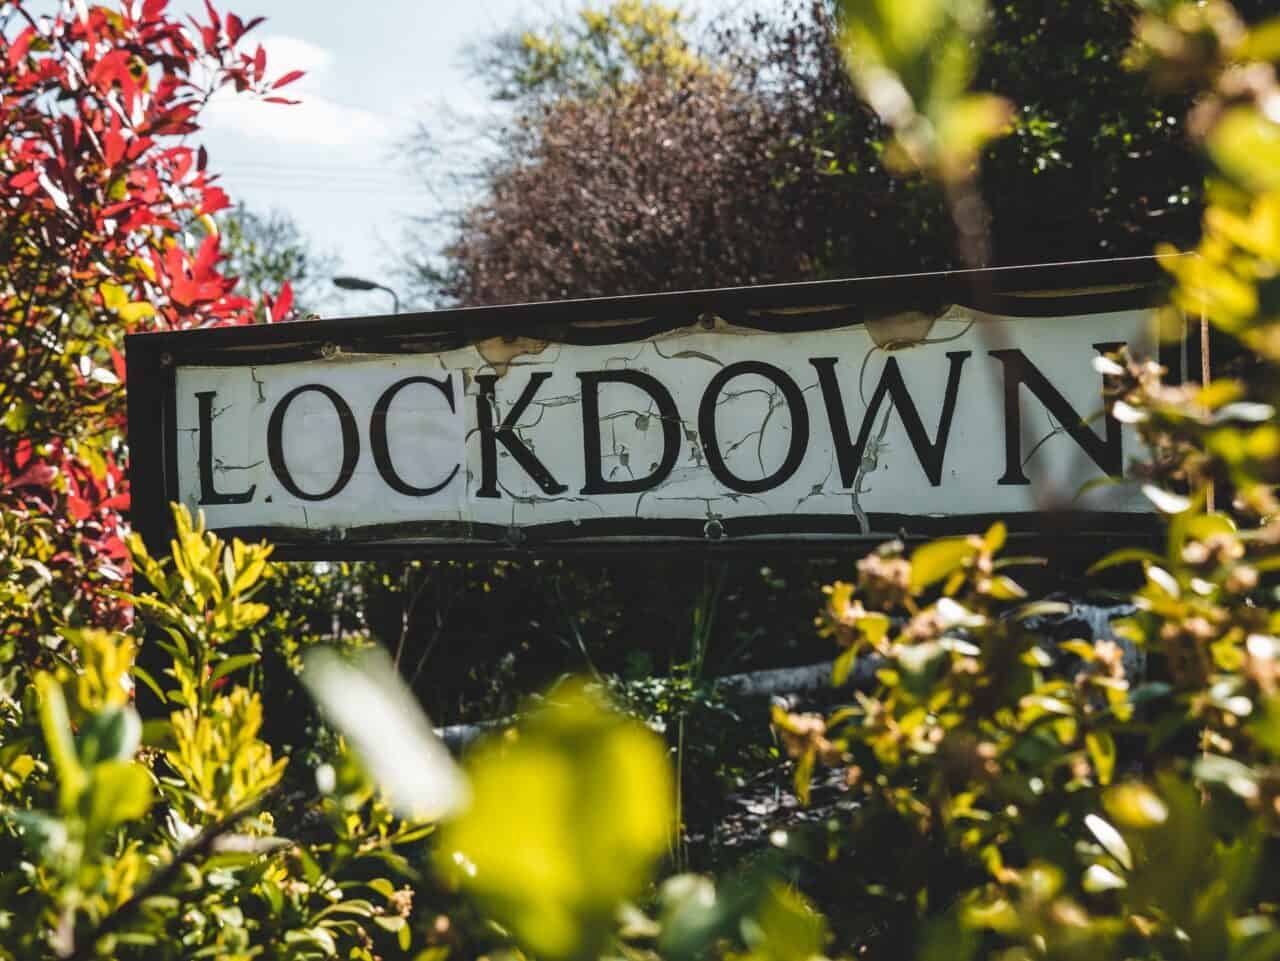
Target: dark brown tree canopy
{"type": "Point", "coordinates": [614, 189]}
{"type": "Point", "coordinates": [716, 178]}
{"type": "Point", "coordinates": [764, 167]}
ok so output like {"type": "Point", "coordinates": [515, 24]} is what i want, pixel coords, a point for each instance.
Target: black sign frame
{"type": "Point", "coordinates": [1041, 290]}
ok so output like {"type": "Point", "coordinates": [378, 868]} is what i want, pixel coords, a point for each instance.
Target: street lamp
{"type": "Point", "coordinates": [359, 283]}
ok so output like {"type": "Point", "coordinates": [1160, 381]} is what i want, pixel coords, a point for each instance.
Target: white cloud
{"type": "Point", "coordinates": [285, 53]}
{"type": "Point", "coordinates": [316, 121]}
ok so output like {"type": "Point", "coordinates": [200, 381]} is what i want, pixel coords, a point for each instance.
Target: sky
{"type": "Point", "coordinates": [336, 163]}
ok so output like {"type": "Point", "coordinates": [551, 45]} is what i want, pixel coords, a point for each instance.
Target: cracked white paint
{"type": "Point", "coordinates": [753, 421]}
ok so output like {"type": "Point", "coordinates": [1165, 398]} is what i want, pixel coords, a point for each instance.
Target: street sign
{"type": "Point", "coordinates": [807, 414]}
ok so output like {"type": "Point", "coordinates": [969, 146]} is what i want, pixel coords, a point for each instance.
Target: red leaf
{"type": "Point", "coordinates": [259, 63]}
{"type": "Point", "coordinates": [214, 199]}
{"type": "Point", "coordinates": [23, 179]}
{"type": "Point", "coordinates": [289, 77]}
{"type": "Point", "coordinates": [235, 28]}
{"type": "Point", "coordinates": [153, 9]}
{"type": "Point", "coordinates": [118, 364]}
{"type": "Point", "coordinates": [78, 507]}
{"type": "Point", "coordinates": [21, 45]}
{"type": "Point", "coordinates": [37, 475]}
{"type": "Point", "coordinates": [283, 100]}
{"type": "Point", "coordinates": [213, 14]}
{"type": "Point", "coordinates": [284, 303]}
{"type": "Point", "coordinates": [113, 147]}
{"type": "Point", "coordinates": [119, 502]}
{"type": "Point", "coordinates": [206, 257]}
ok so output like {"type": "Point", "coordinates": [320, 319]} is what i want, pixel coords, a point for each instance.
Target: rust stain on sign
{"type": "Point", "coordinates": [500, 352]}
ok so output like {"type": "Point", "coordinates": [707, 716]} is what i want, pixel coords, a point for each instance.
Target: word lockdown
{"type": "Point", "coordinates": [717, 434]}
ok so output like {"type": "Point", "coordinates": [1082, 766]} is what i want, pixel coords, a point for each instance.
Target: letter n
{"type": "Point", "coordinates": [1105, 451]}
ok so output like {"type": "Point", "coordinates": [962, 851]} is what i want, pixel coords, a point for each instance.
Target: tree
{"type": "Point", "coordinates": [580, 203]}
{"type": "Point", "coordinates": [100, 187]}
{"type": "Point", "coordinates": [265, 251]}
{"type": "Point", "coordinates": [590, 52]}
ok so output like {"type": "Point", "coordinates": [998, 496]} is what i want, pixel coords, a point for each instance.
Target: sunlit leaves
{"type": "Point", "coordinates": [932, 562]}
{"type": "Point", "coordinates": [56, 726]}
{"type": "Point", "coordinates": [1102, 751]}
{"type": "Point", "coordinates": [913, 63]}
{"type": "Point", "coordinates": [569, 815]}
{"type": "Point", "coordinates": [1246, 147]}
{"type": "Point", "coordinates": [202, 596]}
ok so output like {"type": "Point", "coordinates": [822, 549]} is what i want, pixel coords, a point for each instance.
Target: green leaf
{"type": "Point", "coordinates": [1041, 609]}
{"type": "Point", "coordinates": [56, 725]}
{"type": "Point", "coordinates": [1006, 589]}
{"type": "Point", "coordinates": [874, 627]}
{"type": "Point", "coordinates": [921, 664]}
{"type": "Point", "coordinates": [695, 915]}
{"type": "Point", "coordinates": [843, 666]}
{"type": "Point", "coordinates": [1246, 147]}
{"type": "Point", "coordinates": [789, 928]}
{"type": "Point", "coordinates": [1238, 778]}
{"type": "Point", "coordinates": [234, 663]}
{"type": "Point", "coordinates": [145, 677]}
{"type": "Point", "coordinates": [1135, 806]}
{"type": "Point", "coordinates": [1167, 502]}
{"type": "Point", "coordinates": [45, 836]}
{"type": "Point", "coordinates": [118, 791]}
{"type": "Point", "coordinates": [1102, 751]}
{"type": "Point", "coordinates": [569, 816]}
{"type": "Point", "coordinates": [932, 562]}
{"type": "Point", "coordinates": [113, 734]}
{"type": "Point", "coordinates": [1262, 43]}
{"type": "Point", "coordinates": [995, 537]}
{"type": "Point", "coordinates": [1099, 878]}
{"type": "Point", "coordinates": [1126, 555]}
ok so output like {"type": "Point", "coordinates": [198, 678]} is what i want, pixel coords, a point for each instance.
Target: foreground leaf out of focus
{"type": "Point", "coordinates": [570, 812]}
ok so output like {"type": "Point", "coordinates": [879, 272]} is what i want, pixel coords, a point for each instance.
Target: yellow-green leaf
{"type": "Point", "coordinates": [933, 561]}
{"type": "Point", "coordinates": [1102, 751]}
{"type": "Point", "coordinates": [136, 311]}
{"type": "Point", "coordinates": [118, 791]}
{"type": "Point", "coordinates": [568, 819]}
{"type": "Point", "coordinates": [56, 725]}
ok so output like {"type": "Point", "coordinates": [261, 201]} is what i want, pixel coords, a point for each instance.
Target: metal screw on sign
{"type": "Point", "coordinates": [166, 359]}
{"type": "Point", "coordinates": [713, 530]}
{"type": "Point", "coordinates": [329, 351]}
